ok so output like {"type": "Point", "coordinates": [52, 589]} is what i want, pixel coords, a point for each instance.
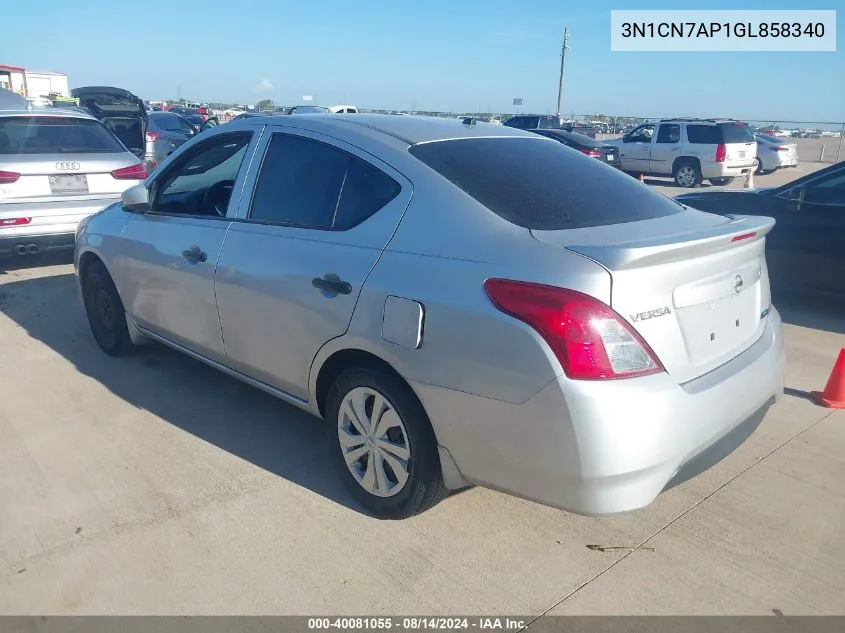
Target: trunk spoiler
{"type": "Point", "coordinates": [669, 248]}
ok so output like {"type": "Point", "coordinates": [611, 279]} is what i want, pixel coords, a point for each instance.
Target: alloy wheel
{"type": "Point", "coordinates": [686, 176]}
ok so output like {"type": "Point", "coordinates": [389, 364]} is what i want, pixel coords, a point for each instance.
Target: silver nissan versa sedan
{"type": "Point", "coordinates": [465, 304]}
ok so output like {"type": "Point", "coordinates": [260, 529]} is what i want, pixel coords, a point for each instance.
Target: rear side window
{"type": "Point", "coordinates": [311, 184]}
{"type": "Point", "coordinates": [55, 135]}
{"type": "Point", "coordinates": [736, 133]}
{"type": "Point", "coordinates": [536, 184]}
{"type": "Point", "coordinates": [669, 133]}
{"type": "Point", "coordinates": [168, 122]}
{"type": "Point", "coordinates": [704, 135]}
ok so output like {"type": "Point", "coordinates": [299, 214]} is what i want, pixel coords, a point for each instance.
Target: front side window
{"type": "Point", "coordinates": [201, 181]}
{"type": "Point", "coordinates": [310, 184]}
{"type": "Point", "coordinates": [641, 134]}
{"type": "Point", "coordinates": [827, 190]}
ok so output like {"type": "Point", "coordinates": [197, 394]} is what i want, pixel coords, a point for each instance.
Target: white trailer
{"type": "Point", "coordinates": [42, 84]}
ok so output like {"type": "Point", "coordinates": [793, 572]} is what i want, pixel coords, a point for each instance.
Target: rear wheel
{"type": "Point", "coordinates": [382, 444]}
{"type": "Point", "coordinates": [105, 312]}
{"type": "Point", "coordinates": [758, 167]}
{"type": "Point", "coordinates": [687, 174]}
{"type": "Point", "coordinates": [720, 182]}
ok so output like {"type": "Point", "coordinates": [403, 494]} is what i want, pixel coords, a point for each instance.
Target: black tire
{"type": "Point", "coordinates": [687, 174]}
{"type": "Point", "coordinates": [758, 167]}
{"type": "Point", "coordinates": [424, 487]}
{"type": "Point", "coordinates": [105, 312]}
{"type": "Point", "coordinates": [721, 182]}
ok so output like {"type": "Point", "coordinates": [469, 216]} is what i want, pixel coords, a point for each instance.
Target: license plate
{"type": "Point", "coordinates": [610, 157]}
{"type": "Point", "coordinates": [69, 184]}
{"type": "Point", "coordinates": [742, 154]}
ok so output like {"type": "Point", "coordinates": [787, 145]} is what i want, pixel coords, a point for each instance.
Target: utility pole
{"type": "Point", "coordinates": [562, 61]}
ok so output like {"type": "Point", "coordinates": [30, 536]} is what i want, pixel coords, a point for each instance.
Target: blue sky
{"type": "Point", "coordinates": [438, 54]}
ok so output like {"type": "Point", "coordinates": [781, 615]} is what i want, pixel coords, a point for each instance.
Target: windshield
{"type": "Point", "coordinates": [768, 139]}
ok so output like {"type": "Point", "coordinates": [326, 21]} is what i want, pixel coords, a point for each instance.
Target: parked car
{"type": "Point", "coordinates": [462, 304]}
{"type": "Point", "coordinates": [56, 168]}
{"type": "Point", "coordinates": [191, 114]}
{"type": "Point", "coordinates": [774, 153]}
{"type": "Point", "coordinates": [165, 132]}
{"type": "Point", "coordinates": [586, 145]}
{"type": "Point", "coordinates": [344, 109]}
{"type": "Point", "coordinates": [120, 111]}
{"type": "Point", "coordinates": [689, 150]}
{"type": "Point", "coordinates": [806, 250]}
{"type": "Point", "coordinates": [548, 122]}
{"type": "Point", "coordinates": [308, 109]}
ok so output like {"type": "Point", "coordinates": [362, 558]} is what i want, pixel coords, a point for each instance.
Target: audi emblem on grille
{"type": "Point", "coordinates": [67, 166]}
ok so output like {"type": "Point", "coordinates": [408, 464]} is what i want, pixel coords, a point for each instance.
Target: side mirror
{"type": "Point", "coordinates": [136, 199]}
{"type": "Point", "coordinates": [626, 139]}
{"type": "Point", "coordinates": [796, 198]}
{"type": "Point", "coordinates": [208, 123]}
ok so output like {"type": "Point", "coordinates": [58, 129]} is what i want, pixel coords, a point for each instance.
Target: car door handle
{"type": "Point", "coordinates": [332, 283]}
{"type": "Point", "coordinates": [194, 254]}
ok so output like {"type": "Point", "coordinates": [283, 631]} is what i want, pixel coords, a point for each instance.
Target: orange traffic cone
{"type": "Point", "coordinates": [642, 178]}
{"type": "Point", "coordinates": [833, 396]}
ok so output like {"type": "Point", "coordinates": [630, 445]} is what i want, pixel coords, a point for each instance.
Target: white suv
{"type": "Point", "coordinates": [689, 150]}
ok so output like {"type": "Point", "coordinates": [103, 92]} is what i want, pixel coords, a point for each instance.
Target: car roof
{"type": "Point", "coordinates": [54, 112]}
{"type": "Point", "coordinates": [413, 129]}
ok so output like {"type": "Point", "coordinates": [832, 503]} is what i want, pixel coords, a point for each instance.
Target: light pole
{"type": "Point", "coordinates": [562, 61]}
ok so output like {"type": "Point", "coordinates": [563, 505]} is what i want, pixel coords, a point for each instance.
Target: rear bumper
{"type": "Point", "coordinates": [52, 226]}
{"type": "Point", "coordinates": [720, 170]}
{"type": "Point", "coordinates": [600, 448]}
{"type": "Point", "coordinates": [31, 244]}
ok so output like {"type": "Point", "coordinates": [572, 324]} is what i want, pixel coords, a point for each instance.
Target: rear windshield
{"type": "Point", "coordinates": [736, 133]}
{"type": "Point", "coordinates": [769, 139]}
{"type": "Point", "coordinates": [55, 135]}
{"type": "Point", "coordinates": [542, 185]}
{"type": "Point", "coordinates": [168, 122]}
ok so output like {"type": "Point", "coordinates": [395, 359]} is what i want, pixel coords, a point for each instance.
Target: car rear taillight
{"type": "Point", "coordinates": [7, 177]}
{"type": "Point", "coordinates": [14, 221]}
{"type": "Point", "coordinates": [591, 341]}
{"type": "Point", "coordinates": [721, 153]}
{"type": "Point", "coordinates": [153, 136]}
{"type": "Point", "coordinates": [592, 152]}
{"type": "Point", "coordinates": [133, 172]}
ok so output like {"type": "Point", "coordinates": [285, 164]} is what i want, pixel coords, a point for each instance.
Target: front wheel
{"type": "Point", "coordinates": [105, 312]}
{"type": "Point", "coordinates": [687, 175]}
{"type": "Point", "coordinates": [720, 182]}
{"type": "Point", "coordinates": [382, 444]}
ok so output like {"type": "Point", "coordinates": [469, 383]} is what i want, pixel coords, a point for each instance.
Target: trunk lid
{"type": "Point", "coordinates": [740, 144]}
{"type": "Point", "coordinates": [120, 111]}
{"type": "Point", "coordinates": [693, 285]}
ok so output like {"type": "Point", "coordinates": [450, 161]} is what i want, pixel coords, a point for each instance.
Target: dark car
{"type": "Point", "coordinates": [585, 145]}
{"type": "Point", "coordinates": [806, 249]}
{"type": "Point", "coordinates": [193, 115]}
{"type": "Point", "coordinates": [120, 111]}
{"type": "Point", "coordinates": [547, 122]}
{"type": "Point", "coordinates": [308, 109]}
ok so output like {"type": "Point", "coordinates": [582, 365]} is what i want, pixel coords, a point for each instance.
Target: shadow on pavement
{"type": "Point", "coordinates": [205, 402]}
